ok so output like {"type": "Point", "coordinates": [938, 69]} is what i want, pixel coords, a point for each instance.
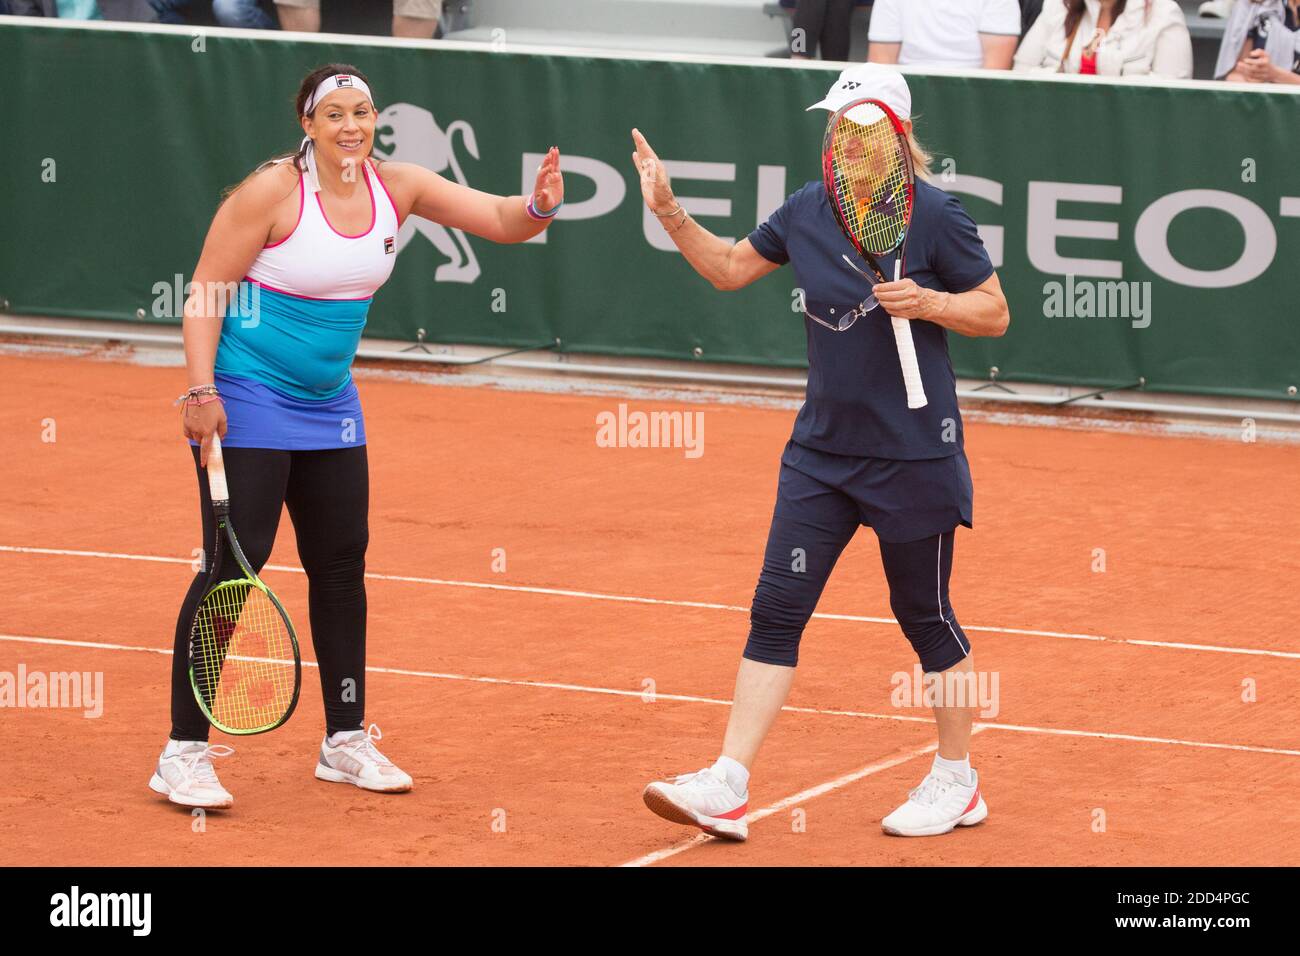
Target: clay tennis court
{"type": "Point", "coordinates": [519, 700]}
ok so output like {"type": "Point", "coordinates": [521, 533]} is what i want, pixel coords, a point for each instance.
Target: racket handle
{"type": "Point", "coordinates": [217, 472]}
{"type": "Point", "coordinates": [907, 353]}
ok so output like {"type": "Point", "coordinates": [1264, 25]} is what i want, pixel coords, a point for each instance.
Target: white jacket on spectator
{"type": "Point", "coordinates": [1138, 43]}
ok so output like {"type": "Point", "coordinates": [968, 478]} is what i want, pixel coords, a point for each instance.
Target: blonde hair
{"type": "Point", "coordinates": [921, 158]}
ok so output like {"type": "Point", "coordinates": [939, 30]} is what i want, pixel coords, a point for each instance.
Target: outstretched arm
{"type": "Point", "coordinates": [726, 265]}
{"type": "Point", "coordinates": [422, 192]}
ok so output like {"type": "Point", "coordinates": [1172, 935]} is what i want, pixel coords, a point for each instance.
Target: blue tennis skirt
{"type": "Point", "coordinates": [258, 416]}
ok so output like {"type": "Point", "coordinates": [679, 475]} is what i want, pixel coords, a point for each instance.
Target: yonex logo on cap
{"type": "Point", "coordinates": [873, 80]}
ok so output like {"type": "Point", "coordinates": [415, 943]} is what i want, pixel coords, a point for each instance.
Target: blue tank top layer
{"type": "Point", "coordinates": [284, 359]}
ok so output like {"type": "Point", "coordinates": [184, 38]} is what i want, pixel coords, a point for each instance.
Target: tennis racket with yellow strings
{"type": "Point", "coordinates": [870, 181]}
{"type": "Point", "coordinates": [245, 668]}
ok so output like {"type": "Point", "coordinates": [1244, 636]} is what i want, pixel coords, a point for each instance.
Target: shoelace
{"type": "Point", "coordinates": [688, 777]}
{"type": "Point", "coordinates": [363, 748]}
{"type": "Point", "coordinates": [198, 764]}
{"type": "Point", "coordinates": [930, 791]}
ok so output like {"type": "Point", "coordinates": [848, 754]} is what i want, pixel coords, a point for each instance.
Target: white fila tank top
{"type": "Point", "coordinates": [316, 261]}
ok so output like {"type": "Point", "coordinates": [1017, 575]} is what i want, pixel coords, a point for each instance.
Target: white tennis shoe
{"type": "Point", "coordinates": [355, 759]}
{"type": "Point", "coordinates": [188, 778]}
{"type": "Point", "coordinates": [703, 799]}
{"type": "Point", "coordinates": [940, 803]}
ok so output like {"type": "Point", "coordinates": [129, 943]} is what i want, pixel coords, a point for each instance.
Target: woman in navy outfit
{"type": "Point", "coordinates": [858, 456]}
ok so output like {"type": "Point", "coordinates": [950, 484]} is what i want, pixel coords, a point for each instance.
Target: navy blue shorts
{"type": "Point", "coordinates": [822, 499]}
{"type": "Point", "coordinates": [899, 500]}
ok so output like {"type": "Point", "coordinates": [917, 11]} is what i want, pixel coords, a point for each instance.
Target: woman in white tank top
{"type": "Point", "coordinates": [307, 239]}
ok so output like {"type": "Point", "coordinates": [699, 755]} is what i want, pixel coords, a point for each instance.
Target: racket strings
{"type": "Point", "coordinates": [872, 185]}
{"type": "Point", "coordinates": [243, 657]}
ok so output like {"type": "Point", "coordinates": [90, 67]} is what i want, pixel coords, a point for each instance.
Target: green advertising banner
{"type": "Point", "coordinates": [1139, 231]}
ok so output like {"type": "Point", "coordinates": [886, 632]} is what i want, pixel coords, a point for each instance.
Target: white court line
{"type": "Point", "coordinates": [801, 797]}
{"type": "Point", "coordinates": [507, 681]}
{"type": "Point", "coordinates": [705, 605]}
{"type": "Point", "coordinates": [691, 699]}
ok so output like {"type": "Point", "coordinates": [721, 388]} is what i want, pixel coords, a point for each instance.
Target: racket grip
{"type": "Point", "coordinates": [217, 472]}
{"type": "Point", "coordinates": [907, 359]}
{"type": "Point", "coordinates": [907, 353]}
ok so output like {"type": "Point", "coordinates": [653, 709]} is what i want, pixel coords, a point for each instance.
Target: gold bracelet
{"type": "Point", "coordinates": [681, 225]}
{"type": "Point", "coordinates": [673, 212]}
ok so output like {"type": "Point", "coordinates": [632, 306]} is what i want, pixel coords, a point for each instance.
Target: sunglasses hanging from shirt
{"type": "Point", "coordinates": [844, 322]}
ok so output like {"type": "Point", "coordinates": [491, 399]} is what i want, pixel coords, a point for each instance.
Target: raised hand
{"type": "Point", "coordinates": [549, 191]}
{"type": "Point", "coordinates": [656, 189]}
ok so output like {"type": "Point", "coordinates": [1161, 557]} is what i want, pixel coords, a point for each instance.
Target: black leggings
{"type": "Point", "coordinates": [328, 495]}
{"type": "Point", "coordinates": [825, 23]}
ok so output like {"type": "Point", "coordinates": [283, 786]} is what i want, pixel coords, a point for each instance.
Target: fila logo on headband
{"type": "Point", "coordinates": [338, 81]}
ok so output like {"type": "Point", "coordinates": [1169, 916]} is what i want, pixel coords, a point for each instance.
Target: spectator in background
{"type": "Point", "coordinates": [1029, 11]}
{"type": "Point", "coordinates": [140, 11]}
{"type": "Point", "coordinates": [79, 10]}
{"type": "Point", "coordinates": [417, 19]}
{"type": "Point", "coordinates": [30, 8]}
{"type": "Point", "coordinates": [1109, 38]}
{"type": "Point", "coordinates": [971, 33]}
{"type": "Point", "coordinates": [1261, 43]}
{"type": "Point", "coordinates": [824, 24]}
{"type": "Point", "coordinates": [228, 13]}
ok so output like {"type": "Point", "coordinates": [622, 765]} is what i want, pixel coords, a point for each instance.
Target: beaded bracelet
{"type": "Point", "coordinates": [195, 392]}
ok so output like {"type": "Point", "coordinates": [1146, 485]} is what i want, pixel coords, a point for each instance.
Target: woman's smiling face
{"type": "Point", "coordinates": [342, 126]}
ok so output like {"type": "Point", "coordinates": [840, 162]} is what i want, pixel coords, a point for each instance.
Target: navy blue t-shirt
{"type": "Point", "coordinates": [857, 402]}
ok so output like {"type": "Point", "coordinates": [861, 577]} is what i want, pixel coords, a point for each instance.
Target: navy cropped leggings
{"type": "Point", "coordinates": [822, 499]}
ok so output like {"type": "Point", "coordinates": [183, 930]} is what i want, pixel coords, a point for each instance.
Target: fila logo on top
{"type": "Point", "coordinates": [406, 133]}
{"type": "Point", "coordinates": [390, 245]}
